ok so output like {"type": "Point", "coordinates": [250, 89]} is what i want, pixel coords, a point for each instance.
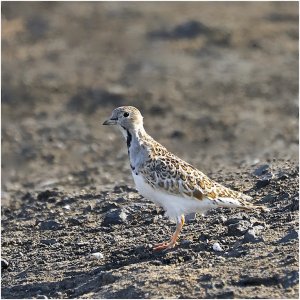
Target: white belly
{"type": "Point", "coordinates": [174, 205]}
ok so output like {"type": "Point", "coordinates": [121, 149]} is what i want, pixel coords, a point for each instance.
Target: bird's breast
{"type": "Point", "coordinates": [142, 186]}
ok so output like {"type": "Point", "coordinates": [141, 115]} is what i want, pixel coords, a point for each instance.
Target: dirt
{"type": "Point", "coordinates": [217, 84]}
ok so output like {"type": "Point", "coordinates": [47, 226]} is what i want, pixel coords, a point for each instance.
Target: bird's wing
{"type": "Point", "coordinates": [166, 171]}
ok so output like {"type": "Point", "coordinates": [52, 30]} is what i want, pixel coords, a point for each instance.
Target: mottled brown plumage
{"type": "Point", "coordinates": [164, 170]}
{"type": "Point", "coordinates": [166, 179]}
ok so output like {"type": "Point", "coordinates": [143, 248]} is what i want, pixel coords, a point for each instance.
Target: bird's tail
{"type": "Point", "coordinates": [241, 202]}
{"type": "Point", "coordinates": [249, 206]}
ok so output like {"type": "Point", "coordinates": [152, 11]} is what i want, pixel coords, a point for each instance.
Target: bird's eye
{"type": "Point", "coordinates": [126, 114]}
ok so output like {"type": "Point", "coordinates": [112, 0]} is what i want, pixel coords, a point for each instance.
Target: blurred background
{"type": "Point", "coordinates": [217, 84]}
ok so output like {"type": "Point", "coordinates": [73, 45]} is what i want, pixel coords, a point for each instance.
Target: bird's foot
{"type": "Point", "coordinates": [164, 246]}
{"type": "Point", "coordinates": [172, 242]}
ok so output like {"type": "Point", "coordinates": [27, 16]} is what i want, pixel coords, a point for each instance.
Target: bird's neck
{"type": "Point", "coordinates": [134, 135]}
{"type": "Point", "coordinates": [137, 149]}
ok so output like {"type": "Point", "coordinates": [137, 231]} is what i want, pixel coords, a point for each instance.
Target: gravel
{"type": "Point", "coordinates": [215, 87]}
{"type": "Point", "coordinates": [114, 217]}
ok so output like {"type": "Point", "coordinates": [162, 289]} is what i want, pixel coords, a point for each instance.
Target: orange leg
{"type": "Point", "coordinates": [172, 242]}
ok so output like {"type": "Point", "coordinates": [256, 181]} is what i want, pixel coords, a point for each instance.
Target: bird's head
{"type": "Point", "coordinates": [127, 117]}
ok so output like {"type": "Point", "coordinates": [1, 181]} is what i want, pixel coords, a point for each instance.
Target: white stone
{"type": "Point", "coordinates": [97, 255]}
{"type": "Point", "coordinates": [217, 247]}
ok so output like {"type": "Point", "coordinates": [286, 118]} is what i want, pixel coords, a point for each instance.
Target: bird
{"type": "Point", "coordinates": [167, 180]}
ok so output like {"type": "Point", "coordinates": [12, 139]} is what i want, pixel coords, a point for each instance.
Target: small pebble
{"type": "Point", "coordinates": [261, 170]}
{"type": "Point", "coordinates": [251, 237]}
{"type": "Point", "coordinates": [222, 219]}
{"type": "Point", "coordinates": [97, 255]}
{"type": "Point", "coordinates": [292, 235]}
{"type": "Point", "coordinates": [74, 221]}
{"type": "Point", "coordinates": [217, 247]}
{"type": "Point", "coordinates": [82, 244]}
{"type": "Point", "coordinates": [67, 207]}
{"type": "Point", "coordinates": [50, 225]}
{"type": "Point", "coordinates": [239, 228]}
{"type": "Point", "coordinates": [190, 217]}
{"type": "Point", "coordinates": [114, 217]}
{"type": "Point", "coordinates": [41, 297]}
{"type": "Point", "coordinates": [48, 241]}
{"type": "Point", "coordinates": [4, 264]}
{"type": "Point", "coordinates": [282, 176]}
{"type": "Point", "coordinates": [264, 181]}
{"type": "Point", "coordinates": [185, 243]}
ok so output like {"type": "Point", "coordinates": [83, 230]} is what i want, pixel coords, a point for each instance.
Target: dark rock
{"type": "Point", "coordinates": [295, 204]}
{"type": "Point", "coordinates": [190, 217]}
{"type": "Point", "coordinates": [218, 284]}
{"type": "Point", "coordinates": [66, 200]}
{"type": "Point", "coordinates": [81, 244]}
{"type": "Point", "coordinates": [27, 152]}
{"type": "Point", "coordinates": [37, 26]}
{"type": "Point", "coordinates": [282, 176]}
{"type": "Point", "coordinates": [186, 243]}
{"type": "Point", "coordinates": [74, 221]}
{"type": "Point", "coordinates": [131, 291]}
{"type": "Point", "coordinates": [293, 235]}
{"type": "Point", "coordinates": [28, 197]}
{"type": "Point", "coordinates": [120, 200]}
{"type": "Point", "coordinates": [255, 280]}
{"type": "Point", "coordinates": [291, 279]}
{"type": "Point", "coordinates": [289, 259]}
{"type": "Point", "coordinates": [156, 262]}
{"type": "Point", "coordinates": [187, 30]}
{"type": "Point", "coordinates": [13, 96]}
{"type": "Point", "coordinates": [231, 221]}
{"type": "Point", "coordinates": [282, 17]}
{"type": "Point", "coordinates": [177, 134]}
{"type": "Point", "coordinates": [267, 199]}
{"type": "Point", "coordinates": [284, 195]}
{"type": "Point", "coordinates": [223, 295]}
{"type": "Point", "coordinates": [205, 277]}
{"type": "Point", "coordinates": [51, 200]}
{"type": "Point", "coordinates": [22, 275]}
{"type": "Point", "coordinates": [264, 181]}
{"type": "Point", "coordinates": [49, 158]}
{"type": "Point", "coordinates": [123, 188]}
{"type": "Point", "coordinates": [4, 264]}
{"type": "Point", "coordinates": [50, 225]}
{"type": "Point", "coordinates": [261, 170]}
{"type": "Point", "coordinates": [49, 241]}
{"type": "Point", "coordinates": [46, 195]}
{"type": "Point", "coordinates": [114, 217]}
{"type": "Point", "coordinates": [237, 252]}
{"type": "Point", "coordinates": [109, 206]}
{"type": "Point", "coordinates": [88, 209]}
{"type": "Point", "coordinates": [142, 250]}
{"type": "Point", "coordinates": [203, 238]}
{"type": "Point", "coordinates": [238, 228]}
{"type": "Point", "coordinates": [251, 236]}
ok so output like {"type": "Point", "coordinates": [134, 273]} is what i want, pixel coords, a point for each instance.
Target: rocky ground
{"type": "Point", "coordinates": [217, 84]}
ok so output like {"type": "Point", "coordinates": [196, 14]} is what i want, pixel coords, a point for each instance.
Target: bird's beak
{"type": "Point", "coordinates": [110, 122]}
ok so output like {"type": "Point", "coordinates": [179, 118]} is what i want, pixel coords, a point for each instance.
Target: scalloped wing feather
{"type": "Point", "coordinates": [167, 172]}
